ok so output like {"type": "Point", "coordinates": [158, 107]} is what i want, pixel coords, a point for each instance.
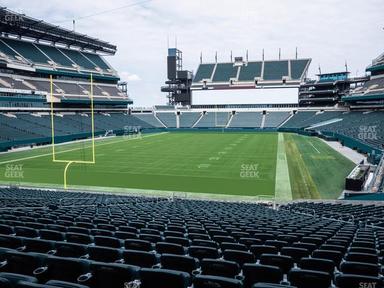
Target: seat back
{"type": "Point", "coordinates": [201, 252]}
{"type": "Point", "coordinates": [139, 258]}
{"type": "Point", "coordinates": [233, 246]}
{"type": "Point", "coordinates": [64, 249]}
{"type": "Point", "coordinates": [66, 269]}
{"type": "Point", "coordinates": [239, 257]}
{"type": "Point", "coordinates": [257, 250]}
{"type": "Point", "coordinates": [219, 268]}
{"type": "Point", "coordinates": [169, 248]}
{"type": "Point", "coordinates": [317, 264]}
{"type": "Point", "coordinates": [26, 231]}
{"type": "Point", "coordinates": [362, 257]}
{"type": "Point", "coordinates": [285, 263]}
{"type": "Point", "coordinates": [78, 238]}
{"type": "Point", "coordinates": [13, 279]}
{"type": "Point", "coordinates": [163, 278]}
{"type": "Point", "coordinates": [112, 275]}
{"type": "Point", "coordinates": [103, 254]}
{"type": "Point", "coordinates": [136, 244]}
{"type": "Point", "coordinates": [308, 278]}
{"type": "Point", "coordinates": [52, 235]}
{"type": "Point", "coordinates": [22, 263]}
{"type": "Point", "coordinates": [359, 268]}
{"type": "Point", "coordinates": [335, 256]}
{"type": "Point", "coordinates": [11, 242]}
{"type": "Point", "coordinates": [208, 281]}
{"type": "Point", "coordinates": [295, 253]}
{"type": "Point", "coordinates": [107, 241]}
{"type": "Point", "coordinates": [254, 273]}
{"type": "Point", "coordinates": [178, 262]}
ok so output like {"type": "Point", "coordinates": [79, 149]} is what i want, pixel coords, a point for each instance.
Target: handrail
{"type": "Point", "coordinates": [340, 215]}
{"type": "Point", "coordinates": [293, 209]}
{"type": "Point", "coordinates": [24, 198]}
{"type": "Point", "coordinates": [373, 184]}
{"type": "Point", "coordinates": [72, 198]}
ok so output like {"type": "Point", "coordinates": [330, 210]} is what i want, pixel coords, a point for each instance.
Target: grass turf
{"type": "Point", "coordinates": [316, 170]}
{"type": "Point", "coordinates": [223, 163]}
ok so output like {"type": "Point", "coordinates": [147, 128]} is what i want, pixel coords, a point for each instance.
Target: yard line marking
{"type": "Point", "coordinates": [203, 166]}
{"type": "Point", "coordinates": [74, 149]}
{"type": "Point", "coordinates": [314, 147]}
{"type": "Point", "coordinates": [214, 158]}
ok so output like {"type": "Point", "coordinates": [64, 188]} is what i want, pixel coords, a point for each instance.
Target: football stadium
{"type": "Point", "coordinates": [224, 183]}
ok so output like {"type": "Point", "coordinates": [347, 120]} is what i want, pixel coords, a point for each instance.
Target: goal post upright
{"type": "Point", "coordinates": [52, 119]}
{"type": "Point", "coordinates": [69, 162]}
{"type": "Point", "coordinates": [92, 124]}
{"type": "Point", "coordinates": [217, 125]}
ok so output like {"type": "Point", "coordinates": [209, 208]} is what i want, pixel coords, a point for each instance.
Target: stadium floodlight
{"type": "Point", "coordinates": [69, 162]}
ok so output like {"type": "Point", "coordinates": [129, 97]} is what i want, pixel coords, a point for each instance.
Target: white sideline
{"type": "Point", "coordinates": [74, 149]}
{"type": "Point", "coordinates": [314, 147]}
{"type": "Point", "coordinates": [283, 191]}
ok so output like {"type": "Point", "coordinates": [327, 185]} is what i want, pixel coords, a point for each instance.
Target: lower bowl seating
{"type": "Point", "coordinates": [119, 241]}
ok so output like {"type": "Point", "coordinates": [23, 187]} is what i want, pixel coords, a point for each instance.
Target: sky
{"type": "Point", "coordinates": [331, 32]}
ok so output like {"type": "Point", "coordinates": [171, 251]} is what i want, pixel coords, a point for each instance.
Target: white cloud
{"type": "Point", "coordinates": [328, 31]}
{"type": "Point", "coordinates": [129, 77]}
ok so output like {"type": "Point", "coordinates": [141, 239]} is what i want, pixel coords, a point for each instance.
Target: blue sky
{"type": "Point", "coordinates": [328, 31]}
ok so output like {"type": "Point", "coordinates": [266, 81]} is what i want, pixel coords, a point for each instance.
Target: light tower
{"type": "Point", "coordinates": [179, 80]}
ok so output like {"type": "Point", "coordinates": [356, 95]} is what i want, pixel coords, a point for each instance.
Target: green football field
{"type": "Point", "coordinates": [287, 166]}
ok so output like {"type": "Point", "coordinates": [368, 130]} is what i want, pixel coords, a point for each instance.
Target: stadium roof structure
{"type": "Point", "coordinates": [21, 25]}
{"type": "Point", "coordinates": [377, 64]}
{"type": "Point", "coordinates": [251, 74]}
{"type": "Point", "coordinates": [341, 73]}
{"type": "Point", "coordinates": [327, 78]}
{"type": "Point", "coordinates": [371, 93]}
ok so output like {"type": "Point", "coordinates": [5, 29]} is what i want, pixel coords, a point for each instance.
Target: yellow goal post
{"type": "Point", "coordinates": [69, 162]}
